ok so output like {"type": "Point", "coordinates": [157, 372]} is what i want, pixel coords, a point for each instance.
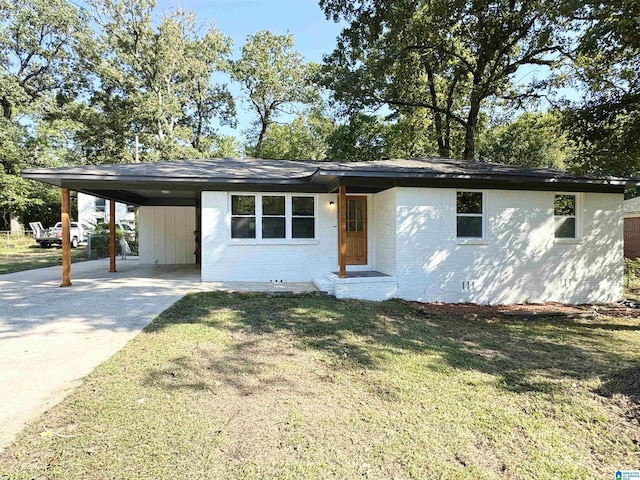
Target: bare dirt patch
{"type": "Point", "coordinates": [549, 309]}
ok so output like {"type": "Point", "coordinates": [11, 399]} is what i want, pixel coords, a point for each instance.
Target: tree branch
{"type": "Point", "coordinates": [445, 51]}
{"type": "Point", "coordinates": [402, 103]}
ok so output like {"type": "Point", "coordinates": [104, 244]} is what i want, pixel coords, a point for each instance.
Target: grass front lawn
{"type": "Point", "coordinates": [23, 253]}
{"type": "Point", "coordinates": [230, 386]}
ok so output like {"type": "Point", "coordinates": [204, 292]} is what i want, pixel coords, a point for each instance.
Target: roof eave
{"type": "Point", "coordinates": [62, 177]}
{"type": "Point", "coordinates": [325, 178]}
{"type": "Point", "coordinates": [608, 181]}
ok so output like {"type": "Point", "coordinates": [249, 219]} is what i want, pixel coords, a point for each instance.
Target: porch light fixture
{"type": "Point", "coordinates": [332, 203]}
{"type": "Point", "coordinates": [165, 192]}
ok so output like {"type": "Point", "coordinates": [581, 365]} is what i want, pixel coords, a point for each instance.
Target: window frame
{"type": "Point", "coordinates": [100, 204]}
{"type": "Point", "coordinates": [471, 240]}
{"type": "Point", "coordinates": [263, 216]}
{"type": "Point", "coordinates": [288, 209]}
{"type": "Point", "coordinates": [292, 216]}
{"type": "Point", "coordinates": [255, 215]}
{"type": "Point", "coordinates": [577, 238]}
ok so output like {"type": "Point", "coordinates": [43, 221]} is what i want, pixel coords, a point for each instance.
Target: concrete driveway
{"type": "Point", "coordinates": [51, 337]}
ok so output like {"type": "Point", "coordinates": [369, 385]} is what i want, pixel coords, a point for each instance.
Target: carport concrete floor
{"type": "Point", "coordinates": [51, 337]}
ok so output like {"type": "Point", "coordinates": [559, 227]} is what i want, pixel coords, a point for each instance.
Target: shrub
{"type": "Point", "coordinates": [100, 241]}
{"type": "Point", "coordinates": [632, 273]}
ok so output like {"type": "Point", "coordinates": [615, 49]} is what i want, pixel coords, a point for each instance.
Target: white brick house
{"type": "Point", "coordinates": [422, 229]}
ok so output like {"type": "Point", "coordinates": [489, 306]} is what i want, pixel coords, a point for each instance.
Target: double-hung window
{"type": "Point", "coordinates": [272, 216]}
{"type": "Point", "coordinates": [243, 216]}
{"type": "Point", "coordinates": [469, 215]}
{"type": "Point", "coordinates": [303, 217]}
{"type": "Point", "coordinates": [564, 216]}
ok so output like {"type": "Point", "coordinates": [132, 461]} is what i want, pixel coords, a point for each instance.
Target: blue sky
{"type": "Point", "coordinates": [314, 35]}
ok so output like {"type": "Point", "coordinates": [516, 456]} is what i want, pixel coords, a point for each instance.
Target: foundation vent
{"type": "Point", "coordinates": [468, 286]}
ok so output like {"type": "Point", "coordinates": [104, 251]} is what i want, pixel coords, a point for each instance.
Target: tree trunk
{"type": "Point", "coordinates": [447, 137]}
{"type": "Point", "coordinates": [263, 132]}
{"type": "Point", "coordinates": [443, 151]}
{"type": "Point", "coordinates": [160, 130]}
{"type": "Point", "coordinates": [5, 220]}
{"type": "Point", "coordinates": [16, 227]}
{"type": "Point", "coordinates": [470, 131]}
{"type": "Point", "coordinates": [447, 125]}
{"type": "Point", "coordinates": [198, 133]}
{"type": "Point", "coordinates": [7, 109]}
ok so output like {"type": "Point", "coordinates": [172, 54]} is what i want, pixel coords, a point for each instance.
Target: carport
{"type": "Point", "coordinates": [174, 185]}
{"type": "Point", "coordinates": [166, 185]}
{"type": "Point", "coordinates": [151, 185]}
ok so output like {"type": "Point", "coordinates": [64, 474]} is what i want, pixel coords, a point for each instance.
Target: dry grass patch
{"type": "Point", "coordinates": [20, 253]}
{"type": "Point", "coordinates": [255, 386]}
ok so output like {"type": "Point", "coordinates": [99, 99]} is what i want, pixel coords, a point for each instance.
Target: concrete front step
{"type": "Point", "coordinates": [363, 287]}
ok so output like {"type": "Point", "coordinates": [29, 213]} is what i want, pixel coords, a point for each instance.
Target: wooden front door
{"type": "Point", "coordinates": [356, 230]}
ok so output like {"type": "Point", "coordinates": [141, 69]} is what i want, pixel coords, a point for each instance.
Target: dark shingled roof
{"type": "Point", "coordinates": [141, 183]}
{"type": "Point", "coordinates": [442, 166]}
{"type": "Point", "coordinates": [258, 168]}
{"type": "Point", "coordinates": [218, 168]}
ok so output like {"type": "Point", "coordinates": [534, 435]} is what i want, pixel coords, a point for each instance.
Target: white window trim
{"type": "Point", "coordinates": [290, 217]}
{"type": "Point", "coordinates": [258, 240]}
{"type": "Point", "coordinates": [255, 214]}
{"type": "Point", "coordinates": [483, 240]}
{"type": "Point", "coordinates": [578, 217]}
{"type": "Point", "coordinates": [287, 229]}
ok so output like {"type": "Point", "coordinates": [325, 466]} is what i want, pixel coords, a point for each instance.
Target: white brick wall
{"type": "Point", "coordinates": [227, 260]}
{"type": "Point", "coordinates": [413, 236]}
{"type": "Point", "coordinates": [519, 261]}
{"type": "Point", "coordinates": [383, 230]}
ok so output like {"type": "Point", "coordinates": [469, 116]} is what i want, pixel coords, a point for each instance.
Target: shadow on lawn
{"type": "Point", "coordinates": [523, 354]}
{"type": "Point", "coordinates": [194, 373]}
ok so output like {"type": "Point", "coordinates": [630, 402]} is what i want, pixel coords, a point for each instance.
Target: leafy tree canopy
{"type": "Point", "coordinates": [605, 124]}
{"type": "Point", "coordinates": [157, 81]}
{"type": "Point", "coordinates": [449, 57]}
{"type": "Point", "coordinates": [38, 42]}
{"type": "Point", "coordinates": [305, 138]}
{"type": "Point", "coordinates": [367, 137]}
{"type": "Point", "coordinates": [275, 80]}
{"type": "Point", "coordinates": [532, 140]}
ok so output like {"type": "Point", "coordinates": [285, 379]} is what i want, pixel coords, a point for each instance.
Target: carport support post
{"type": "Point", "coordinates": [66, 239]}
{"type": "Point", "coordinates": [342, 231]}
{"type": "Point", "coordinates": [112, 235]}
